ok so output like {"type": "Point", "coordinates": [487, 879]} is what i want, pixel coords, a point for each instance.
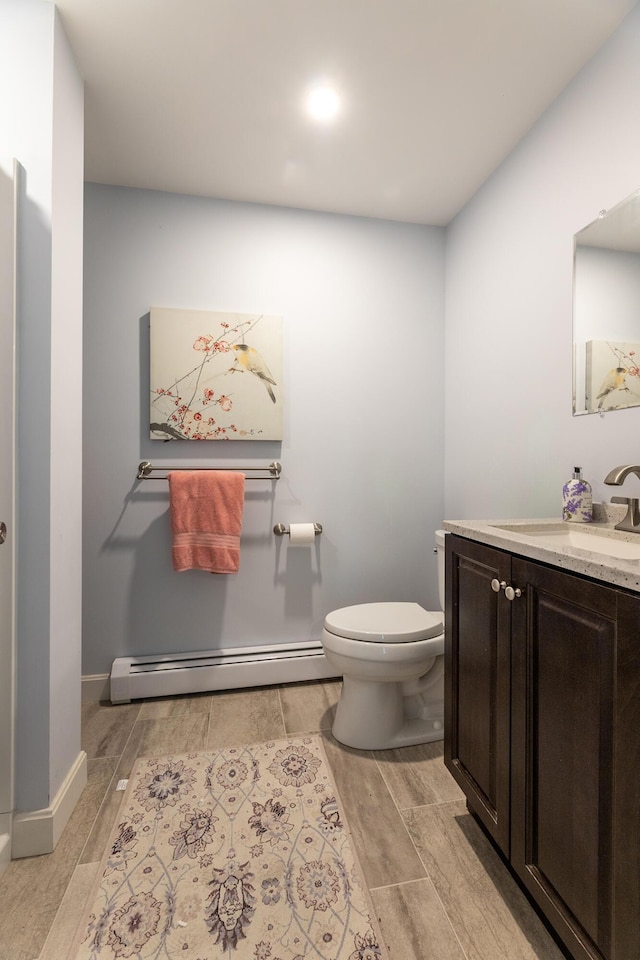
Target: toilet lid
{"type": "Point", "coordinates": [385, 622]}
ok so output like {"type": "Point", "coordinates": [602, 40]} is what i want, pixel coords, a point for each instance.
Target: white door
{"type": "Point", "coordinates": [8, 206]}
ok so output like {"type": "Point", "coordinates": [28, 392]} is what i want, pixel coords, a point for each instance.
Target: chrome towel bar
{"type": "Point", "coordinates": [146, 469]}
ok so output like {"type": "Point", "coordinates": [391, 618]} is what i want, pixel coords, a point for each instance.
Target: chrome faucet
{"type": "Point", "coordinates": [619, 474]}
{"type": "Point", "coordinates": [631, 521]}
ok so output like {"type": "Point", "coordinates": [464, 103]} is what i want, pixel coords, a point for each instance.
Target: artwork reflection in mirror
{"type": "Point", "coordinates": [612, 375]}
{"type": "Point", "coordinates": [606, 311]}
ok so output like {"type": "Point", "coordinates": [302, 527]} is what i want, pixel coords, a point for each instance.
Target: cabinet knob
{"type": "Point", "coordinates": [511, 593]}
{"type": "Point", "coordinates": [498, 585]}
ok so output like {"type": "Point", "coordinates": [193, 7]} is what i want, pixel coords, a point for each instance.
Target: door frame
{"type": "Point", "coordinates": [8, 302]}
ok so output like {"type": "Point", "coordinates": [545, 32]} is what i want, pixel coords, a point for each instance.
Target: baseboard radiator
{"type": "Point", "coordinates": [135, 677]}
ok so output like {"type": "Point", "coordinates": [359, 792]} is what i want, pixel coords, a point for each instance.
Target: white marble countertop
{"type": "Point", "coordinates": [527, 539]}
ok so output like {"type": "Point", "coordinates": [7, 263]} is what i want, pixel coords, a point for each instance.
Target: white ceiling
{"type": "Point", "coordinates": [205, 96]}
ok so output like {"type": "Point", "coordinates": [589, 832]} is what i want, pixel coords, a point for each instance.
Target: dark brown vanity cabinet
{"type": "Point", "coordinates": [542, 732]}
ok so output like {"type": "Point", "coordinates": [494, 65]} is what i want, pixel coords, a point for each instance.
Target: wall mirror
{"type": "Point", "coordinates": [606, 311]}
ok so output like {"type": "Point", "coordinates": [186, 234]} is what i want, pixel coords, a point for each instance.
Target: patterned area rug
{"type": "Point", "coordinates": [240, 853]}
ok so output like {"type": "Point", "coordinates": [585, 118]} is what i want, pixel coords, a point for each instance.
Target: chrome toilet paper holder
{"type": "Point", "coordinates": [282, 530]}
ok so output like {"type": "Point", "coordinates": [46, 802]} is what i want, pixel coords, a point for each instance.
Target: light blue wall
{"type": "Point", "coordinates": [511, 440]}
{"type": "Point", "coordinates": [362, 302]}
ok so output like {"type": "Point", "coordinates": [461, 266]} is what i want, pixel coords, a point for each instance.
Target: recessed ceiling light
{"type": "Point", "coordinates": [323, 103]}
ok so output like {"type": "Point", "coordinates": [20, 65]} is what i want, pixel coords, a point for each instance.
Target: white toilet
{"type": "Point", "coordinates": [391, 657]}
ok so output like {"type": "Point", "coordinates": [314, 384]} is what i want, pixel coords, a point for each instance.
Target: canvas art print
{"type": "Point", "coordinates": [613, 375]}
{"type": "Point", "coordinates": [215, 376]}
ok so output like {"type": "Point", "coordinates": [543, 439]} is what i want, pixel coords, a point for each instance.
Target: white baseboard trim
{"type": "Point", "coordinates": [5, 841]}
{"type": "Point", "coordinates": [96, 686]}
{"type": "Point", "coordinates": [38, 831]}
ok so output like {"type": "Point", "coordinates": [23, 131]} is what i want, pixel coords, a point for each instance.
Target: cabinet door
{"type": "Point", "coordinates": [477, 685]}
{"type": "Point", "coordinates": [571, 751]}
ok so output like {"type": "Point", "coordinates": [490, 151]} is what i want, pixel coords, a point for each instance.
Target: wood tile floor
{"type": "Point", "coordinates": [438, 887]}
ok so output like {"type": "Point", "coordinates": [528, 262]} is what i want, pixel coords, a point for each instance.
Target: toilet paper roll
{"type": "Point", "coordinates": [301, 534]}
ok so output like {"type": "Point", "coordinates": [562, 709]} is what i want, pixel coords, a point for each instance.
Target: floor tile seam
{"type": "Point", "coordinates": [449, 919]}
{"type": "Point", "coordinates": [434, 889]}
{"type": "Point", "coordinates": [109, 705]}
{"type": "Point", "coordinates": [208, 731]}
{"type": "Point", "coordinates": [380, 768]}
{"type": "Point", "coordinates": [311, 732]}
{"type": "Point", "coordinates": [400, 883]}
{"type": "Point", "coordinates": [135, 723]}
{"type": "Point", "coordinates": [400, 814]}
{"type": "Point", "coordinates": [105, 799]}
{"type": "Point", "coordinates": [46, 939]}
{"type": "Point", "coordinates": [428, 806]}
{"type": "Point", "coordinates": [118, 760]}
{"type": "Point", "coordinates": [126, 743]}
{"type": "Point", "coordinates": [106, 756]}
{"type": "Point", "coordinates": [85, 906]}
{"type": "Point", "coordinates": [51, 925]}
{"type": "Point", "coordinates": [431, 879]}
{"type": "Point", "coordinates": [282, 717]}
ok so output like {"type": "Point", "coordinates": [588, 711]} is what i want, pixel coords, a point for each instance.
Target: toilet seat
{"type": "Point", "coordinates": [388, 622]}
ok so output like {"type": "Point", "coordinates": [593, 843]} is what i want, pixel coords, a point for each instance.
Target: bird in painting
{"type": "Point", "coordinates": [614, 380]}
{"type": "Point", "coordinates": [251, 361]}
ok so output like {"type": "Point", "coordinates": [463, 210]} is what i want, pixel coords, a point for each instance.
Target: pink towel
{"type": "Point", "coordinates": [206, 519]}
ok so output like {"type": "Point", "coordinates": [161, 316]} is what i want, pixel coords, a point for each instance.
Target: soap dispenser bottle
{"type": "Point", "coordinates": [577, 501]}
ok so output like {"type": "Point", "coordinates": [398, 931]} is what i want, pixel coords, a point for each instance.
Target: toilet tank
{"type": "Point", "coordinates": [439, 536]}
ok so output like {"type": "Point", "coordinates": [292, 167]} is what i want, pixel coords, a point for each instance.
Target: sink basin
{"type": "Point", "coordinates": [605, 543]}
